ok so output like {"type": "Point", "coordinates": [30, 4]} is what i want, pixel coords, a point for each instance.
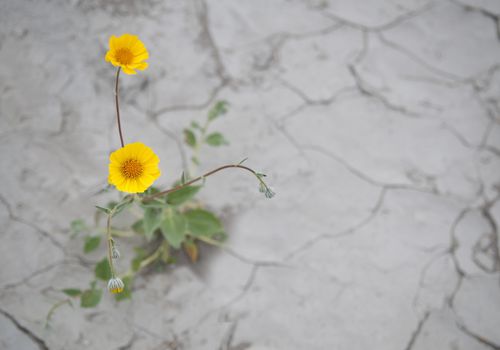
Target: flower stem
{"type": "Point", "coordinates": [197, 148]}
{"type": "Point", "coordinates": [118, 233]}
{"type": "Point", "coordinates": [210, 241]}
{"type": "Point", "coordinates": [117, 102]}
{"type": "Point", "coordinates": [145, 262]}
{"type": "Point", "coordinates": [53, 309]}
{"type": "Point", "coordinates": [179, 187]}
{"type": "Point", "coordinates": [110, 244]}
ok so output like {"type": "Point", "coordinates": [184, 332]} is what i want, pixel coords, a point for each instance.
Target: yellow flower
{"type": "Point", "coordinates": [133, 168]}
{"type": "Point", "coordinates": [127, 52]}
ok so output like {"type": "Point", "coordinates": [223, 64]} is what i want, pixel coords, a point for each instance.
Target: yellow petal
{"type": "Point", "coordinates": [109, 56]}
{"type": "Point", "coordinates": [145, 156]}
{"type": "Point", "coordinates": [128, 70]}
{"type": "Point", "coordinates": [138, 47]}
{"type": "Point", "coordinates": [141, 66]}
{"type": "Point", "coordinates": [139, 58]}
{"type": "Point", "coordinates": [112, 42]}
{"type": "Point", "coordinates": [135, 149]}
{"type": "Point", "coordinates": [128, 40]}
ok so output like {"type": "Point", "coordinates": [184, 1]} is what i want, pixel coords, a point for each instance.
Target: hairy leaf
{"type": "Point", "coordinates": [105, 210]}
{"type": "Point", "coordinates": [138, 227]}
{"type": "Point", "coordinates": [91, 297]}
{"type": "Point", "coordinates": [189, 137]}
{"type": "Point", "coordinates": [183, 195]}
{"type": "Point", "coordinates": [127, 201]}
{"type": "Point", "coordinates": [217, 110]}
{"type": "Point", "coordinates": [151, 221]}
{"type": "Point", "coordinates": [216, 139]}
{"type": "Point", "coordinates": [173, 228]}
{"type": "Point", "coordinates": [203, 223]}
{"type": "Point", "coordinates": [91, 243]}
{"type": "Point", "coordinates": [154, 203]}
{"type": "Point", "coordinates": [102, 270]}
{"type": "Point", "coordinates": [72, 292]}
{"type": "Point", "coordinates": [151, 190]}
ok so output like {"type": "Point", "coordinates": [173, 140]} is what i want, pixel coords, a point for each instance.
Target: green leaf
{"type": "Point", "coordinates": [152, 220]}
{"type": "Point", "coordinates": [91, 243]}
{"type": "Point", "coordinates": [138, 227]}
{"type": "Point", "coordinates": [72, 292]}
{"type": "Point", "coordinates": [136, 261]}
{"type": "Point", "coordinates": [105, 210]}
{"type": "Point", "coordinates": [127, 201]}
{"type": "Point", "coordinates": [183, 195]}
{"type": "Point", "coordinates": [112, 204]}
{"type": "Point", "coordinates": [154, 203]}
{"type": "Point", "coordinates": [203, 223]}
{"type": "Point", "coordinates": [173, 228]}
{"type": "Point", "coordinates": [151, 190]}
{"type": "Point", "coordinates": [195, 160]}
{"type": "Point", "coordinates": [127, 291]}
{"type": "Point", "coordinates": [91, 297]}
{"type": "Point", "coordinates": [189, 137]}
{"type": "Point", "coordinates": [195, 125]}
{"type": "Point", "coordinates": [216, 139]}
{"type": "Point", "coordinates": [102, 270]}
{"type": "Point", "coordinates": [78, 226]}
{"type": "Point", "coordinates": [217, 110]}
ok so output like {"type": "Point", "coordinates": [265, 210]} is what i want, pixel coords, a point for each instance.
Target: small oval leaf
{"type": "Point", "coordinates": [203, 223]}
{"type": "Point", "coordinates": [182, 195]}
{"type": "Point", "coordinates": [90, 298]}
{"type": "Point", "coordinates": [91, 243]}
{"type": "Point", "coordinates": [102, 270]}
{"type": "Point", "coordinates": [173, 228]}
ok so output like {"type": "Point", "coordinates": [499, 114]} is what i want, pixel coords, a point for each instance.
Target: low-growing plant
{"type": "Point", "coordinates": [168, 221]}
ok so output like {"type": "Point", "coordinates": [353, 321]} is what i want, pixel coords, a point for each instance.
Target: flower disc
{"type": "Point", "coordinates": [133, 168]}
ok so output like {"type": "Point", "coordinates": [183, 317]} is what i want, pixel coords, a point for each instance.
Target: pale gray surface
{"type": "Point", "coordinates": [377, 123]}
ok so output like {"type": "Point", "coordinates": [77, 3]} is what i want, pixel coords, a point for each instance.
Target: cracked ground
{"type": "Point", "coordinates": [377, 122]}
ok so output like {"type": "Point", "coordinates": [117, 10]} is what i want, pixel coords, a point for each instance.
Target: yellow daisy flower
{"type": "Point", "coordinates": [133, 168]}
{"type": "Point", "coordinates": [127, 52]}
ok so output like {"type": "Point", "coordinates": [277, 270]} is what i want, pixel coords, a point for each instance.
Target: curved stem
{"type": "Point", "coordinates": [179, 187]}
{"type": "Point", "coordinates": [145, 262]}
{"type": "Point", "coordinates": [197, 148]}
{"type": "Point", "coordinates": [118, 106]}
{"type": "Point", "coordinates": [53, 309]}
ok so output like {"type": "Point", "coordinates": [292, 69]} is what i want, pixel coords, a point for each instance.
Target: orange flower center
{"type": "Point", "coordinates": [132, 169]}
{"type": "Point", "coordinates": [124, 56]}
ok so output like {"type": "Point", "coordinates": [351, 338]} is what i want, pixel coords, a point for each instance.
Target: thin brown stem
{"type": "Point", "coordinates": [179, 187]}
{"type": "Point", "coordinates": [118, 106]}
